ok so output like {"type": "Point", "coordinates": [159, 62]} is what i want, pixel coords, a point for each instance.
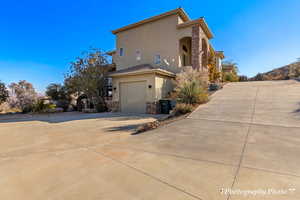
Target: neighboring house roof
{"type": "Point", "coordinates": [141, 69]}
{"type": "Point", "coordinates": [178, 11]}
{"type": "Point", "coordinates": [111, 67]}
{"type": "Point", "coordinates": [220, 54]}
{"type": "Point", "coordinates": [201, 22]}
{"type": "Point", "coordinates": [111, 52]}
{"type": "Point", "coordinates": [228, 68]}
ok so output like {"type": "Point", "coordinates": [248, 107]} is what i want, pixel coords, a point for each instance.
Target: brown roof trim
{"type": "Point", "coordinates": [147, 71]}
{"type": "Point", "coordinates": [201, 22]}
{"type": "Point", "coordinates": [178, 11]}
{"type": "Point", "coordinates": [135, 68]}
{"type": "Point", "coordinates": [141, 69]}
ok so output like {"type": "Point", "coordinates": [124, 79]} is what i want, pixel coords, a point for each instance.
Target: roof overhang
{"type": "Point", "coordinates": [142, 72]}
{"type": "Point", "coordinates": [200, 22]}
{"type": "Point", "coordinates": [178, 11]}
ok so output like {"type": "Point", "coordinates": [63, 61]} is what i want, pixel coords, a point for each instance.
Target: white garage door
{"type": "Point", "coordinates": [133, 97]}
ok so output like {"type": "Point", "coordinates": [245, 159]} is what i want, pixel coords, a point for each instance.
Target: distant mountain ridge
{"type": "Point", "coordinates": [286, 72]}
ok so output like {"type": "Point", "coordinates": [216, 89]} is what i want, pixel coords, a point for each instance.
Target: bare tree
{"type": "Point", "coordinates": [3, 93]}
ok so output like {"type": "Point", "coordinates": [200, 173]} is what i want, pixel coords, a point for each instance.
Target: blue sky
{"type": "Point", "coordinates": [38, 39]}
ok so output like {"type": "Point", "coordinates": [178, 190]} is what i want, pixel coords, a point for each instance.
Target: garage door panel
{"type": "Point", "coordinates": [133, 97]}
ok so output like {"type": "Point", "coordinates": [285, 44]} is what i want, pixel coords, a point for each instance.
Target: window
{"type": "Point", "coordinates": [121, 52]}
{"type": "Point", "coordinates": [138, 55]}
{"type": "Point", "coordinates": [157, 59]}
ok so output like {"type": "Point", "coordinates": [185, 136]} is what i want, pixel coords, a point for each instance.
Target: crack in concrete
{"type": "Point", "coordinates": [201, 160]}
{"type": "Point", "coordinates": [173, 155]}
{"type": "Point", "coordinates": [245, 144]}
{"type": "Point", "coordinates": [82, 147]}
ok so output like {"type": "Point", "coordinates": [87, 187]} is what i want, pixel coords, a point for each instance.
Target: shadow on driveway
{"type": "Point", "coordinates": [297, 110]}
{"type": "Point", "coordinates": [72, 116]}
{"type": "Point", "coordinates": [123, 128]}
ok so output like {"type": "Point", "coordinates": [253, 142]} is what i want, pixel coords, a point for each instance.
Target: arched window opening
{"type": "Point", "coordinates": [185, 51]}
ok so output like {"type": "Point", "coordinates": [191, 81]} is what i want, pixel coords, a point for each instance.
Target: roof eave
{"type": "Point", "coordinates": [201, 22]}
{"type": "Point", "coordinates": [183, 14]}
{"type": "Point", "coordinates": [178, 11]}
{"type": "Point", "coordinates": [206, 28]}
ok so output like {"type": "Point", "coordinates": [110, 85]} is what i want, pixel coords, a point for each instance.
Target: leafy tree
{"type": "Point", "coordinates": [23, 96]}
{"type": "Point", "coordinates": [230, 77]}
{"type": "Point", "coordinates": [3, 93]}
{"type": "Point", "coordinates": [230, 63]}
{"type": "Point", "coordinates": [214, 75]}
{"type": "Point", "coordinates": [42, 106]}
{"type": "Point", "coordinates": [88, 76]}
{"type": "Point", "coordinates": [213, 72]}
{"type": "Point", "coordinates": [60, 94]}
{"type": "Point", "coordinates": [230, 71]}
{"type": "Point", "coordinates": [243, 78]}
{"type": "Point", "coordinates": [57, 92]}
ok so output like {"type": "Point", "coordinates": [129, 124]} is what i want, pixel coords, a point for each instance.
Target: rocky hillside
{"type": "Point", "coordinates": [283, 73]}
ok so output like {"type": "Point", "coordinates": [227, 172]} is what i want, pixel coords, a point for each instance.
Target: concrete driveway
{"type": "Point", "coordinates": [243, 144]}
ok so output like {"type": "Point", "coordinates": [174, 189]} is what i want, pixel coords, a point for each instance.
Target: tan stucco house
{"type": "Point", "coordinates": [148, 55]}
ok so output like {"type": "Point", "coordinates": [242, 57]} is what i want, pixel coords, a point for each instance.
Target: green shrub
{"type": "Point", "coordinates": [101, 107]}
{"type": "Point", "coordinates": [63, 103]}
{"type": "Point", "coordinates": [28, 108]}
{"type": "Point", "coordinates": [192, 93]}
{"type": "Point", "coordinates": [41, 106]}
{"type": "Point", "coordinates": [190, 88]}
{"type": "Point", "coordinates": [51, 106]}
{"type": "Point", "coordinates": [182, 108]}
{"type": "Point", "coordinates": [230, 77]}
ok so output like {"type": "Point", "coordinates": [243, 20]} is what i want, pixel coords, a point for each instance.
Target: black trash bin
{"type": "Point", "coordinates": [172, 104]}
{"type": "Point", "coordinates": [165, 106]}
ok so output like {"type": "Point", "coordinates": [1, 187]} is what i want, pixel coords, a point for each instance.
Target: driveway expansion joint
{"type": "Point", "coordinates": [148, 175]}
{"type": "Point", "coordinates": [174, 155]}
{"type": "Point", "coordinates": [271, 171]}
